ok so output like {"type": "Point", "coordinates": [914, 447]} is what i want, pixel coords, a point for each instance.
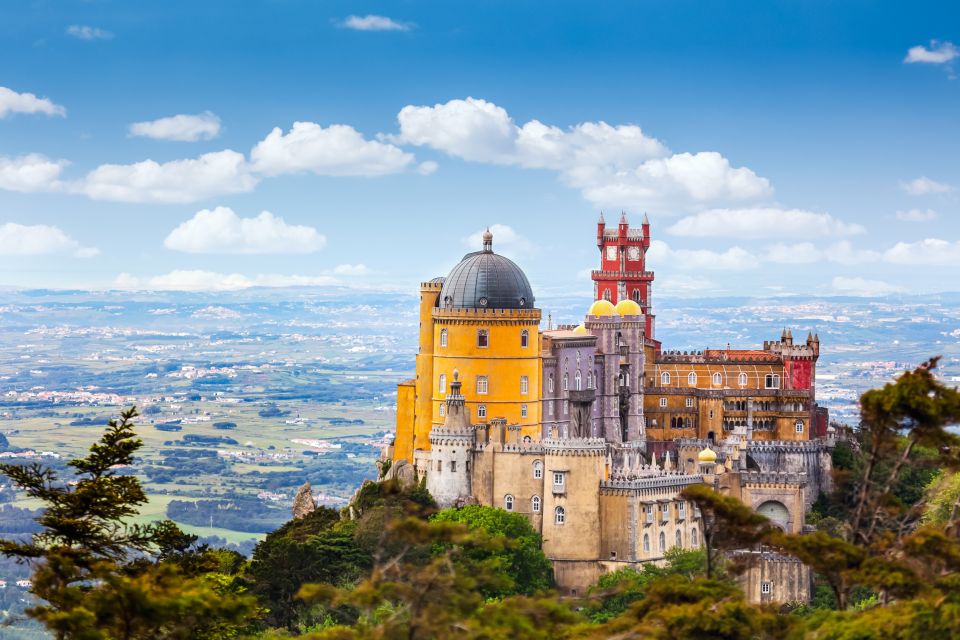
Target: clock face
{"type": "Point", "coordinates": [633, 253]}
{"type": "Point", "coordinates": [611, 252]}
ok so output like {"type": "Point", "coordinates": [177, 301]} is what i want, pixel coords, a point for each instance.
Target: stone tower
{"type": "Point", "coordinates": [448, 478]}
{"type": "Point", "coordinates": [622, 274]}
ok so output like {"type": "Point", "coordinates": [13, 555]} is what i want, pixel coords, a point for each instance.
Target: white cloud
{"type": "Point", "coordinates": [845, 253]}
{"type": "Point", "coordinates": [767, 222]}
{"type": "Point", "coordinates": [924, 185]}
{"type": "Point", "coordinates": [223, 231]}
{"type": "Point", "coordinates": [938, 53]}
{"type": "Point", "coordinates": [181, 127]}
{"type": "Point", "coordinates": [375, 23]}
{"type": "Point", "coordinates": [928, 252]}
{"type": "Point", "coordinates": [427, 168]}
{"type": "Point", "coordinates": [84, 32]}
{"type": "Point", "coordinates": [733, 259]}
{"type": "Point", "coordinates": [800, 253]}
{"type": "Point", "coordinates": [178, 181]}
{"type": "Point", "coordinates": [351, 270]}
{"type": "Point", "coordinates": [610, 165]}
{"type": "Point", "coordinates": [30, 173]}
{"type": "Point", "coordinates": [39, 239]}
{"type": "Point", "coordinates": [505, 238]}
{"type": "Point", "coordinates": [917, 215]}
{"type": "Point", "coordinates": [337, 150]}
{"type": "Point", "coordinates": [13, 102]}
{"type": "Point", "coordinates": [199, 280]}
{"type": "Point", "coordinates": [681, 284]}
{"type": "Point", "coordinates": [863, 287]}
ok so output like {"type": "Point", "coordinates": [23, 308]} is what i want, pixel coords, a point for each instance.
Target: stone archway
{"type": "Point", "coordinates": [777, 512]}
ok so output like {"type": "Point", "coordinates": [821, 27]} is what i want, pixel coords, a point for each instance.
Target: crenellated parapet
{"type": "Point", "coordinates": [772, 478]}
{"type": "Point", "coordinates": [575, 446]}
{"type": "Point", "coordinates": [665, 480]}
{"type": "Point", "coordinates": [787, 446]}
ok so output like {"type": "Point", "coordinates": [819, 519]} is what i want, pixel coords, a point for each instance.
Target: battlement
{"type": "Point", "coordinates": [443, 436]}
{"type": "Point", "coordinates": [718, 356]}
{"type": "Point", "coordinates": [788, 446]}
{"type": "Point", "coordinates": [772, 477]}
{"type": "Point", "coordinates": [457, 314]}
{"type": "Point", "coordinates": [662, 481]}
{"type": "Point", "coordinates": [575, 446]}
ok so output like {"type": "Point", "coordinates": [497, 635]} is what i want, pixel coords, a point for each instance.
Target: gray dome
{"type": "Point", "coordinates": [485, 280]}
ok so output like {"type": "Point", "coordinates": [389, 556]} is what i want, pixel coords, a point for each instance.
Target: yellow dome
{"type": "Point", "coordinates": [707, 455]}
{"type": "Point", "coordinates": [580, 329]}
{"type": "Point", "coordinates": [602, 308]}
{"type": "Point", "coordinates": [628, 307]}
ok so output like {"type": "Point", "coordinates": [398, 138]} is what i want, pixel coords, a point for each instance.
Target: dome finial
{"type": "Point", "coordinates": [487, 241]}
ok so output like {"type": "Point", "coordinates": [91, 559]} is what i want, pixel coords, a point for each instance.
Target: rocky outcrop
{"type": "Point", "coordinates": [303, 503]}
{"type": "Point", "coordinates": [403, 472]}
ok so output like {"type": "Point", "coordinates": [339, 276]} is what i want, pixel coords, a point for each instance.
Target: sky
{"type": "Point", "coordinates": [778, 148]}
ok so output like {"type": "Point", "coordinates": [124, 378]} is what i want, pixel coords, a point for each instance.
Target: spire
{"type": "Point", "coordinates": [488, 241]}
{"type": "Point", "coordinates": [601, 220]}
{"type": "Point", "coordinates": [646, 220]}
{"type": "Point", "coordinates": [783, 334]}
{"type": "Point", "coordinates": [623, 217]}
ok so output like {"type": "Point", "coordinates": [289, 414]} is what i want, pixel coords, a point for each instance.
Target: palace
{"type": "Point", "coordinates": [592, 431]}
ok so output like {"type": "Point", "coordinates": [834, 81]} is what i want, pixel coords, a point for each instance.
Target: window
{"type": "Point", "coordinates": [443, 409]}
{"type": "Point", "coordinates": [717, 378]}
{"type": "Point", "coordinates": [443, 383]}
{"type": "Point", "coordinates": [664, 511]}
{"type": "Point", "coordinates": [742, 379]}
{"type": "Point", "coordinates": [663, 542]}
{"type": "Point", "coordinates": [523, 411]}
{"type": "Point", "coordinates": [524, 384]}
{"type": "Point", "coordinates": [558, 478]}
{"type": "Point", "coordinates": [664, 379]}
{"type": "Point", "coordinates": [606, 295]}
{"type": "Point", "coordinates": [550, 383]}
{"type": "Point", "coordinates": [663, 403]}
{"type": "Point", "coordinates": [566, 381]}
{"type": "Point", "coordinates": [771, 381]}
{"type": "Point", "coordinates": [549, 408]}
{"type": "Point", "coordinates": [481, 411]}
{"type": "Point", "coordinates": [689, 403]}
{"type": "Point", "coordinates": [646, 542]}
{"type": "Point", "coordinates": [508, 502]}
{"type": "Point", "coordinates": [648, 512]}
{"type": "Point", "coordinates": [681, 509]}
{"type": "Point", "coordinates": [537, 470]}
{"type": "Point", "coordinates": [765, 588]}
{"type": "Point", "coordinates": [483, 338]}
{"type": "Point", "coordinates": [524, 339]}
{"type": "Point", "coordinates": [566, 407]}
{"type": "Point", "coordinates": [439, 465]}
{"type": "Point", "coordinates": [577, 380]}
{"type": "Point", "coordinates": [799, 426]}
{"type": "Point", "coordinates": [693, 537]}
{"type": "Point", "coordinates": [482, 384]}
{"type": "Point", "coordinates": [443, 337]}
{"type": "Point", "coordinates": [535, 504]}
{"type": "Point", "coordinates": [589, 380]}
{"type": "Point", "coordinates": [692, 379]}
{"type": "Point", "coordinates": [559, 515]}
{"type": "Point", "coordinates": [636, 295]}
{"type": "Point", "coordinates": [679, 542]}
{"type": "Point", "coordinates": [453, 465]}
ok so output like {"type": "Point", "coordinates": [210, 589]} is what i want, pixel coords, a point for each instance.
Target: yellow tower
{"type": "Point", "coordinates": [480, 321]}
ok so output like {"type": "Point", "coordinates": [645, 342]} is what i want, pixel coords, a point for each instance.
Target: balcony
{"type": "Point", "coordinates": [583, 395]}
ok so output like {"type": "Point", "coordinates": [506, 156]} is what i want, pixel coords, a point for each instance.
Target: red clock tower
{"type": "Point", "coordinates": [622, 273]}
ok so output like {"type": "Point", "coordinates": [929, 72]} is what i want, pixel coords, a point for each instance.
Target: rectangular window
{"type": "Point", "coordinates": [799, 427]}
{"type": "Point", "coordinates": [765, 588]}
{"type": "Point", "coordinates": [663, 403]}
{"type": "Point", "coordinates": [439, 465]}
{"type": "Point", "coordinates": [649, 513]}
{"type": "Point", "coordinates": [772, 381]}
{"type": "Point", "coordinates": [524, 385]}
{"type": "Point", "coordinates": [443, 409]}
{"type": "Point", "coordinates": [549, 408]}
{"type": "Point", "coordinates": [442, 387]}
{"type": "Point", "coordinates": [558, 478]}
{"type": "Point", "coordinates": [483, 338]}
{"type": "Point", "coordinates": [482, 384]}
{"type": "Point", "coordinates": [681, 509]}
{"type": "Point", "coordinates": [523, 411]}
{"type": "Point", "coordinates": [443, 337]}
{"type": "Point", "coordinates": [453, 465]}
{"type": "Point", "coordinates": [689, 403]}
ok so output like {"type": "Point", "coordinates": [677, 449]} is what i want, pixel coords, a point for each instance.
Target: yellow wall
{"type": "Point", "coordinates": [406, 400]}
{"type": "Point", "coordinates": [503, 362]}
{"type": "Point", "coordinates": [429, 292]}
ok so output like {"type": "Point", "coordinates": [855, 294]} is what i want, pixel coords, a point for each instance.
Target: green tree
{"type": "Point", "coordinates": [88, 568]}
{"type": "Point", "coordinates": [521, 558]}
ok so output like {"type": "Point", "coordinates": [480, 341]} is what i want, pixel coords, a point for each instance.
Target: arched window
{"type": "Point", "coordinates": [524, 339]}
{"type": "Point", "coordinates": [508, 502]}
{"type": "Point", "coordinates": [663, 542]}
{"type": "Point", "coordinates": [443, 383]}
{"type": "Point", "coordinates": [799, 426]}
{"type": "Point", "coordinates": [537, 470]}
{"type": "Point", "coordinates": [692, 379]}
{"type": "Point", "coordinates": [589, 380]}
{"type": "Point", "coordinates": [578, 380]}
{"type": "Point", "coordinates": [646, 542]}
{"type": "Point", "coordinates": [679, 539]}
{"type": "Point", "coordinates": [636, 295]}
{"type": "Point", "coordinates": [443, 337]}
{"type": "Point", "coordinates": [550, 383]}
{"type": "Point", "coordinates": [524, 385]}
{"type": "Point", "coordinates": [559, 515]}
{"type": "Point", "coordinates": [481, 411]}
{"type": "Point", "coordinates": [483, 338]}
{"type": "Point", "coordinates": [693, 538]}
{"type": "Point", "coordinates": [742, 379]}
{"type": "Point", "coordinates": [566, 381]}
{"type": "Point", "coordinates": [606, 295]}
{"type": "Point", "coordinates": [717, 378]}
{"type": "Point", "coordinates": [664, 379]}
{"type": "Point", "coordinates": [535, 504]}
{"type": "Point", "coordinates": [482, 385]}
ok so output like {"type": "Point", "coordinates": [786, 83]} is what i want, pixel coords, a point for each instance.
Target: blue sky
{"type": "Point", "coordinates": [782, 147]}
